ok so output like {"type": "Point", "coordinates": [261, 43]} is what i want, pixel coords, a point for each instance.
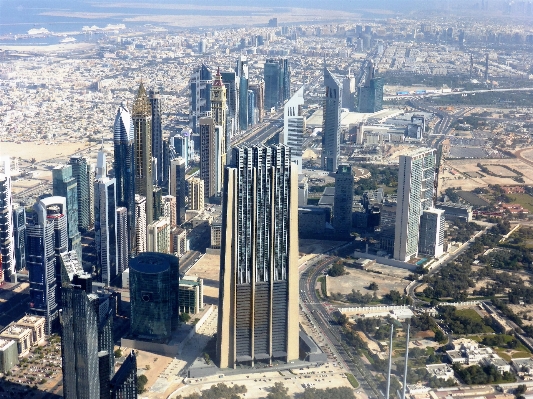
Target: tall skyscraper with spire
{"type": "Point", "coordinates": [242, 74]}
{"type": "Point", "coordinates": [124, 166]}
{"type": "Point", "coordinates": [7, 244]}
{"type": "Point", "coordinates": [200, 96]}
{"type": "Point", "coordinates": [331, 122]}
{"type": "Point", "coordinates": [258, 313]}
{"type": "Point", "coordinates": [142, 123]}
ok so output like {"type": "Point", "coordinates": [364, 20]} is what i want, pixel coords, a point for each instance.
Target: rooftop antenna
{"type": "Point", "coordinates": [390, 361]}
{"type": "Point", "coordinates": [406, 358]}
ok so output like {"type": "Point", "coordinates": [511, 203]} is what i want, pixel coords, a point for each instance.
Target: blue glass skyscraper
{"type": "Point", "coordinates": [124, 166]}
{"type": "Point", "coordinates": [79, 172]}
{"type": "Point", "coordinates": [200, 96]}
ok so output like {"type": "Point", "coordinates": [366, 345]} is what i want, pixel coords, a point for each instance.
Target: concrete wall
{"type": "Point", "coordinates": [387, 261]}
{"type": "Point", "coordinates": [153, 347]}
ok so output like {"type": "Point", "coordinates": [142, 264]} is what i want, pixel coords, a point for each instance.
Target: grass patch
{"type": "Point", "coordinates": [352, 380]}
{"type": "Point", "coordinates": [322, 281]}
{"type": "Point", "coordinates": [504, 355]}
{"type": "Point", "coordinates": [525, 200]}
{"type": "Point", "coordinates": [517, 355]}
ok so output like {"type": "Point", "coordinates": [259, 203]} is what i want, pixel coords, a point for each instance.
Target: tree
{"type": "Point", "coordinates": [141, 382]}
{"type": "Point", "coordinates": [279, 391]}
{"type": "Point", "coordinates": [439, 336]}
{"type": "Point", "coordinates": [118, 353]}
{"type": "Point", "coordinates": [373, 286]}
{"type": "Point", "coordinates": [336, 270]}
{"type": "Point", "coordinates": [185, 317]}
{"type": "Point", "coordinates": [520, 390]}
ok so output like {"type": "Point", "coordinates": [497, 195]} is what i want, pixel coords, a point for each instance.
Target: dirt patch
{"type": "Point", "coordinates": [425, 334]}
{"type": "Point", "coordinates": [208, 268]}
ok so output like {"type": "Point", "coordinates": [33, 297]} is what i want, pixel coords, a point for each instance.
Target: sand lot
{"type": "Point", "coordinates": [40, 150]}
{"type": "Point", "coordinates": [208, 268]}
{"type": "Point", "coordinates": [359, 280]}
{"type": "Point", "coordinates": [461, 166]}
{"type": "Point", "coordinates": [257, 384]}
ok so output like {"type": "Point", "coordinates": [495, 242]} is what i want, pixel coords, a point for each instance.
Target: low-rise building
{"type": "Point", "coordinates": [21, 335]}
{"type": "Point", "coordinates": [523, 366]}
{"type": "Point", "coordinates": [468, 352]}
{"type": "Point", "coordinates": [441, 370]}
{"type": "Point", "coordinates": [36, 325]}
{"type": "Point", "coordinates": [191, 294]}
{"type": "Point", "coordinates": [453, 211]}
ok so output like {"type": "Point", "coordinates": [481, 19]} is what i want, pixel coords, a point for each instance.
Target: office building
{"type": "Point", "coordinates": [252, 119]}
{"type": "Point", "coordinates": [65, 185]}
{"type": "Point", "coordinates": [169, 209]}
{"type": "Point", "coordinates": [191, 295]}
{"type": "Point", "coordinates": [124, 382]}
{"type": "Point", "coordinates": [343, 202]}
{"type": "Point", "coordinates": [124, 167]}
{"type": "Point", "coordinates": [277, 76]}
{"type": "Point", "coordinates": [294, 127]}
{"type": "Point", "coordinates": [219, 109]}
{"type": "Point", "coordinates": [242, 75]}
{"type": "Point", "coordinates": [348, 91]}
{"type": "Point", "coordinates": [140, 224]}
{"type": "Point", "coordinates": [416, 179]}
{"type": "Point", "coordinates": [90, 179]}
{"type": "Point", "coordinates": [178, 188]}
{"type": "Point", "coordinates": [208, 160]}
{"type": "Point", "coordinates": [431, 234]}
{"type": "Point", "coordinates": [259, 97]}
{"type": "Point", "coordinates": [21, 335]}
{"type": "Point", "coordinates": [122, 239]}
{"type": "Point", "coordinates": [79, 172]}
{"type": "Point", "coordinates": [142, 124]}
{"type": "Point", "coordinates": [154, 97]}
{"type": "Point", "coordinates": [19, 236]}
{"type": "Point", "coordinates": [216, 233]}
{"type": "Point", "coordinates": [331, 122]}
{"type": "Point", "coordinates": [158, 236]}
{"type": "Point", "coordinates": [231, 81]}
{"type": "Point", "coordinates": [105, 224]}
{"type": "Point", "coordinates": [196, 194]}
{"type": "Point", "coordinates": [178, 242]}
{"type": "Point", "coordinates": [86, 333]}
{"type": "Point", "coordinates": [258, 302]}
{"type": "Point", "coordinates": [200, 96]}
{"type": "Point", "coordinates": [154, 285]}
{"type": "Point", "coordinates": [370, 91]}
{"type": "Point", "coordinates": [9, 356]}
{"type": "Point", "coordinates": [7, 243]}
{"type": "Point", "coordinates": [183, 146]}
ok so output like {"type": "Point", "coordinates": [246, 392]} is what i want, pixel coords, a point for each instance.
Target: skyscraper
{"type": "Point", "coordinates": [142, 123]}
{"type": "Point", "coordinates": [122, 239]}
{"type": "Point", "coordinates": [331, 122]}
{"type": "Point", "coordinates": [65, 185]}
{"type": "Point", "coordinates": [19, 235]}
{"type": "Point", "coordinates": [169, 209]}
{"type": "Point", "coordinates": [242, 75]}
{"type": "Point", "coordinates": [259, 96]}
{"type": "Point", "coordinates": [343, 201]}
{"type": "Point", "coordinates": [208, 161]}
{"type": "Point", "coordinates": [370, 91]}
{"type": "Point", "coordinates": [7, 243]}
{"type": "Point", "coordinates": [178, 187]}
{"type": "Point", "coordinates": [47, 239]}
{"type": "Point", "coordinates": [415, 194]}
{"type": "Point", "coordinates": [431, 240]}
{"type": "Point", "coordinates": [348, 91]}
{"type": "Point", "coordinates": [154, 284]}
{"type": "Point", "coordinates": [105, 224]}
{"type": "Point", "coordinates": [219, 108]}
{"type": "Point", "coordinates": [158, 236]}
{"type": "Point", "coordinates": [124, 382]}
{"type": "Point", "coordinates": [124, 166]}
{"type": "Point", "coordinates": [196, 194]}
{"type": "Point", "coordinates": [258, 302]}
{"type": "Point", "coordinates": [294, 127]}
{"type": "Point", "coordinates": [79, 172]}
{"type": "Point", "coordinates": [157, 135]}
{"type": "Point", "coordinates": [200, 96]}
{"type": "Point", "coordinates": [273, 83]}
{"type": "Point", "coordinates": [140, 224]}
{"type": "Point", "coordinates": [232, 93]}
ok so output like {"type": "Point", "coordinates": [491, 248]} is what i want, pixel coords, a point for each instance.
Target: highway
{"type": "Point", "coordinates": [259, 134]}
{"type": "Point", "coordinates": [455, 93]}
{"type": "Point", "coordinates": [324, 321]}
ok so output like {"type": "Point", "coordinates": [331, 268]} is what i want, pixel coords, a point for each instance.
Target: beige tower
{"type": "Point", "coordinates": [142, 123]}
{"type": "Point", "coordinates": [258, 303]}
{"type": "Point", "coordinates": [219, 108]}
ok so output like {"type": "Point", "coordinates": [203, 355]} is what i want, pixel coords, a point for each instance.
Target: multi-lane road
{"type": "Point", "coordinates": [325, 322]}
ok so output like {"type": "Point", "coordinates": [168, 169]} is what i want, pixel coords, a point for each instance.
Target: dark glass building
{"type": "Point", "coordinates": [277, 75]}
{"type": "Point", "coordinates": [19, 234]}
{"type": "Point", "coordinates": [343, 202]}
{"type": "Point", "coordinates": [178, 187]}
{"type": "Point", "coordinates": [200, 96]}
{"type": "Point", "coordinates": [331, 122]}
{"type": "Point", "coordinates": [124, 382]}
{"type": "Point", "coordinates": [154, 286]}
{"type": "Point", "coordinates": [157, 135]}
{"type": "Point", "coordinates": [79, 172]}
{"type": "Point", "coordinates": [124, 167]}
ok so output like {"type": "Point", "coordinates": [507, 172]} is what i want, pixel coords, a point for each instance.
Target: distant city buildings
{"type": "Point", "coordinates": [370, 91]}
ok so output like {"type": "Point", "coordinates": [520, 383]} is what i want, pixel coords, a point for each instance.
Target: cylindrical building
{"type": "Point", "coordinates": [154, 286]}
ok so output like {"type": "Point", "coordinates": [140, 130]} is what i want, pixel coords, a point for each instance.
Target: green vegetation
{"type": "Point", "coordinates": [525, 200]}
{"type": "Point", "coordinates": [219, 391]}
{"type": "Point", "coordinates": [394, 297]}
{"type": "Point", "coordinates": [357, 297]}
{"type": "Point", "coordinates": [373, 286]}
{"type": "Point", "coordinates": [142, 380]}
{"type": "Point", "coordinates": [337, 269]}
{"type": "Point", "coordinates": [118, 353]}
{"type": "Point", "coordinates": [323, 290]}
{"type": "Point", "coordinates": [475, 374]}
{"type": "Point", "coordinates": [278, 391]}
{"type": "Point", "coordinates": [352, 380]}
{"type": "Point", "coordinates": [185, 317]}
{"type": "Point", "coordinates": [464, 321]}
{"type": "Point", "coordinates": [328, 393]}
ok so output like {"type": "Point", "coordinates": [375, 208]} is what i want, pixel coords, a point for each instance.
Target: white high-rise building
{"type": "Point", "coordinates": [7, 241]}
{"type": "Point", "coordinates": [294, 127]}
{"type": "Point", "coordinates": [158, 239]}
{"type": "Point", "coordinates": [416, 178]}
{"type": "Point", "coordinates": [196, 194]}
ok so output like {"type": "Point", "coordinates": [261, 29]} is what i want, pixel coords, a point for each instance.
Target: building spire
{"type": "Point", "coordinates": [141, 105]}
